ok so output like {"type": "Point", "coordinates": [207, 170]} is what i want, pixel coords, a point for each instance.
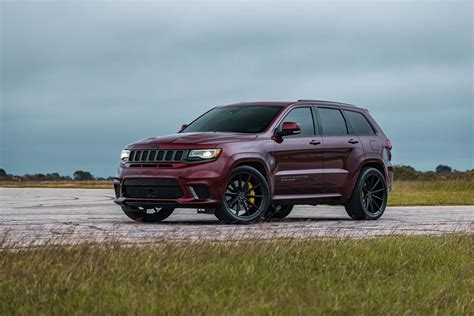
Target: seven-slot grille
{"type": "Point", "coordinates": [151, 155]}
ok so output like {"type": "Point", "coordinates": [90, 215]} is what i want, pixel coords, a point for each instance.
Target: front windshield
{"type": "Point", "coordinates": [239, 119]}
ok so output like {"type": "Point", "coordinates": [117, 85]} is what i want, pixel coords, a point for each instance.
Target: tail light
{"type": "Point", "coordinates": [387, 151]}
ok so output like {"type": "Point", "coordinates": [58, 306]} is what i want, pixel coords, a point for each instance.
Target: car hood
{"type": "Point", "coordinates": [191, 140]}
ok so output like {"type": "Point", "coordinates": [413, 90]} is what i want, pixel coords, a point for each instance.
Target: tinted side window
{"type": "Point", "coordinates": [359, 123]}
{"type": "Point", "coordinates": [332, 122]}
{"type": "Point", "coordinates": [304, 117]}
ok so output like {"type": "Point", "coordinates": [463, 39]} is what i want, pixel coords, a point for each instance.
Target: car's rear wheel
{"type": "Point", "coordinates": [278, 211]}
{"type": "Point", "coordinates": [370, 195]}
{"type": "Point", "coordinates": [246, 197]}
{"type": "Point", "coordinates": [147, 215]}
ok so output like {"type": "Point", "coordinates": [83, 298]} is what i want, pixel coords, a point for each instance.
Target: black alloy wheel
{"type": "Point", "coordinates": [246, 197]}
{"type": "Point", "coordinates": [370, 196]}
{"type": "Point", "coordinates": [373, 194]}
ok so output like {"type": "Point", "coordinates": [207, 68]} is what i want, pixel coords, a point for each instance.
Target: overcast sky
{"type": "Point", "coordinates": [81, 80]}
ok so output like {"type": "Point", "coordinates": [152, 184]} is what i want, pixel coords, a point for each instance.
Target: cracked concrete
{"type": "Point", "coordinates": [37, 216]}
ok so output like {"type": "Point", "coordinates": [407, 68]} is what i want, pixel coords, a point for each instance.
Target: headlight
{"type": "Point", "coordinates": [204, 153]}
{"type": "Point", "coordinates": [124, 155]}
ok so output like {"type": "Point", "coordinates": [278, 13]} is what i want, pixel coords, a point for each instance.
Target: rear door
{"type": "Point", "coordinates": [360, 126]}
{"type": "Point", "coordinates": [342, 152]}
{"type": "Point", "coordinates": [299, 158]}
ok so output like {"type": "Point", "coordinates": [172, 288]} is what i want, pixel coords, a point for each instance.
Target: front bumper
{"type": "Point", "coordinates": [188, 177]}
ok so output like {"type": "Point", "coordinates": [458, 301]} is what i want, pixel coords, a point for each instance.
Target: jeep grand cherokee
{"type": "Point", "coordinates": [247, 161]}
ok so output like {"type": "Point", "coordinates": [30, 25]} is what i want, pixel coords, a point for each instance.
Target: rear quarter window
{"type": "Point", "coordinates": [359, 123]}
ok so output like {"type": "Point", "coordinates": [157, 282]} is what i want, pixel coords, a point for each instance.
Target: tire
{"type": "Point", "coordinates": [369, 198]}
{"type": "Point", "coordinates": [142, 215]}
{"type": "Point", "coordinates": [278, 211]}
{"type": "Point", "coordinates": [246, 197]}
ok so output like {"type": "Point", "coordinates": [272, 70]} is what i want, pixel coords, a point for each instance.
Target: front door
{"type": "Point", "coordinates": [342, 151]}
{"type": "Point", "coordinates": [299, 158]}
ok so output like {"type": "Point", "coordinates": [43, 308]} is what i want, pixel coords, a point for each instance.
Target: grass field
{"type": "Point", "coordinates": [391, 275]}
{"type": "Point", "coordinates": [416, 192]}
{"type": "Point", "coordinates": [436, 192]}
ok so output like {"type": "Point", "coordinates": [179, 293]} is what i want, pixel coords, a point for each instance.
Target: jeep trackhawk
{"type": "Point", "coordinates": [247, 161]}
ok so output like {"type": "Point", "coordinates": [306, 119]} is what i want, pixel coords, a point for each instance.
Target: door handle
{"type": "Point", "coordinates": [353, 141]}
{"type": "Point", "coordinates": [315, 142]}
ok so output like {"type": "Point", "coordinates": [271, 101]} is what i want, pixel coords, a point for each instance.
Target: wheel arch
{"type": "Point", "coordinates": [376, 164]}
{"type": "Point", "coordinates": [256, 162]}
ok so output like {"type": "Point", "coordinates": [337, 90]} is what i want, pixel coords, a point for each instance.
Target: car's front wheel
{"type": "Point", "coordinates": [147, 215]}
{"type": "Point", "coordinates": [246, 197]}
{"type": "Point", "coordinates": [370, 195]}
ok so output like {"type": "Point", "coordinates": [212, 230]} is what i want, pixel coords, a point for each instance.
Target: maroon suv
{"type": "Point", "coordinates": [247, 161]}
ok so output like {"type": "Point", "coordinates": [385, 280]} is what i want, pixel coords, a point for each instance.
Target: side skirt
{"type": "Point", "coordinates": [308, 199]}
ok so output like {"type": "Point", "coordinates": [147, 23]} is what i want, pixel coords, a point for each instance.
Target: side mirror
{"type": "Point", "coordinates": [289, 128]}
{"type": "Point", "coordinates": [183, 127]}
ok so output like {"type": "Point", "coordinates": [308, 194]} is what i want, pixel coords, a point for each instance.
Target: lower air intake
{"type": "Point", "coordinates": [152, 188]}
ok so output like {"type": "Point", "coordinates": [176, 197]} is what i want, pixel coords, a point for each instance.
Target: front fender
{"type": "Point", "coordinates": [252, 158]}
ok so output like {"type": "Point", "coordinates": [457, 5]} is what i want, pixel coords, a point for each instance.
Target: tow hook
{"type": "Point", "coordinates": [206, 210]}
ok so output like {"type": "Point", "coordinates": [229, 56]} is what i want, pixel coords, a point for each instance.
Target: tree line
{"type": "Point", "coordinates": [402, 172]}
{"type": "Point", "coordinates": [79, 175]}
{"type": "Point", "coordinates": [441, 172]}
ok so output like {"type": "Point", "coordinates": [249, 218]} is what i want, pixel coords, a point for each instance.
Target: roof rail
{"type": "Point", "coordinates": [310, 100]}
{"type": "Point", "coordinates": [328, 102]}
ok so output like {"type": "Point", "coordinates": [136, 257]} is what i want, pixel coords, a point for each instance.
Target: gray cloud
{"type": "Point", "coordinates": [81, 80]}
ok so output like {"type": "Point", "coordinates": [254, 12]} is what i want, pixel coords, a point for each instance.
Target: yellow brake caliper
{"type": "Point", "coordinates": [251, 192]}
